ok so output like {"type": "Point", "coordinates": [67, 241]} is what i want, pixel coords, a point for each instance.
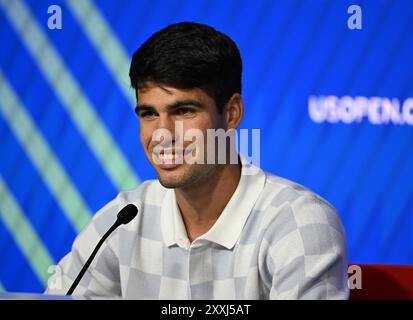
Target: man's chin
{"type": "Point", "coordinates": [171, 183]}
{"type": "Point", "coordinates": [183, 177]}
{"type": "Point", "coordinates": [169, 179]}
{"type": "Point", "coordinates": [176, 179]}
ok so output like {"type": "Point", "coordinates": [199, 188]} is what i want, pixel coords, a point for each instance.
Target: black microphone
{"type": "Point", "coordinates": [124, 217]}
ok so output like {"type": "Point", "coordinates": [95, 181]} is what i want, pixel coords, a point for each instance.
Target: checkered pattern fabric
{"type": "Point", "coordinates": [274, 240]}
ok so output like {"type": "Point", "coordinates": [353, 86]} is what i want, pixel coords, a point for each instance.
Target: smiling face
{"type": "Point", "coordinates": [161, 107]}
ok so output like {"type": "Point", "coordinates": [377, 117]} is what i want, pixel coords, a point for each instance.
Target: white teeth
{"type": "Point", "coordinates": [167, 156]}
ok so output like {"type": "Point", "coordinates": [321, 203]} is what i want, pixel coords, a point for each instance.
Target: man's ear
{"type": "Point", "coordinates": [234, 109]}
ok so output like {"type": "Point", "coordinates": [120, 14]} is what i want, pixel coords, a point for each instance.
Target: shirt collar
{"type": "Point", "coordinates": [227, 229]}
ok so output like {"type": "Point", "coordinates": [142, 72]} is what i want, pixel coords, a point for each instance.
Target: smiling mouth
{"type": "Point", "coordinates": [170, 158]}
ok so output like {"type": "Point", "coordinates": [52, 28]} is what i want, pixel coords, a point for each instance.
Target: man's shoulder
{"type": "Point", "coordinates": [281, 190]}
{"type": "Point", "coordinates": [288, 203]}
{"type": "Point", "coordinates": [149, 192]}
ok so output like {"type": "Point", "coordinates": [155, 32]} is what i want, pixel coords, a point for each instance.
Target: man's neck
{"type": "Point", "coordinates": [202, 205]}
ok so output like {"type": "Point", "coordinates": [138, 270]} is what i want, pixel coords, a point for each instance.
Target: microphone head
{"type": "Point", "coordinates": [127, 213]}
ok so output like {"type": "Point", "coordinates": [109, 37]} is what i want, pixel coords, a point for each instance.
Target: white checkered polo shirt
{"type": "Point", "coordinates": [274, 240]}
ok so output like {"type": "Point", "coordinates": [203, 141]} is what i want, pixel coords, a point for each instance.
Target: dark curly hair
{"type": "Point", "coordinates": [189, 55]}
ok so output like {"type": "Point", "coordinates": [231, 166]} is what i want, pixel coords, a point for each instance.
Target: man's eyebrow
{"type": "Point", "coordinates": [172, 106]}
{"type": "Point", "coordinates": [182, 103]}
{"type": "Point", "coordinates": [143, 107]}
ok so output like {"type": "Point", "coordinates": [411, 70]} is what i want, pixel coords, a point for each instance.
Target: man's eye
{"type": "Point", "coordinates": [147, 114]}
{"type": "Point", "coordinates": [184, 111]}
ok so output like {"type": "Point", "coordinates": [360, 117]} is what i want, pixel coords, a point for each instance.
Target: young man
{"type": "Point", "coordinates": [206, 229]}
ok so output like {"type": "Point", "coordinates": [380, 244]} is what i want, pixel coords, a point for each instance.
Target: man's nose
{"type": "Point", "coordinates": [167, 123]}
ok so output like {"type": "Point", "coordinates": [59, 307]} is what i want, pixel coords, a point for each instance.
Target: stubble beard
{"type": "Point", "coordinates": [195, 174]}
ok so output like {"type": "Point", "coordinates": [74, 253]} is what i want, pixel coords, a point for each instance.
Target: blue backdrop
{"type": "Point", "coordinates": [333, 105]}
